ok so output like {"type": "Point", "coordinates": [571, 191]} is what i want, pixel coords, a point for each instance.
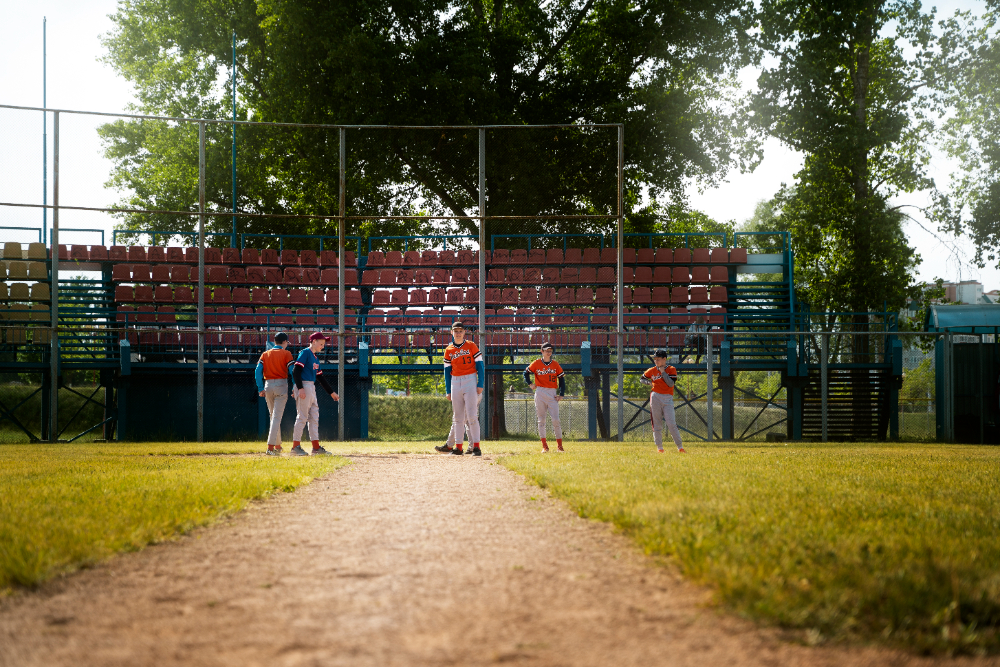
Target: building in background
{"type": "Point", "coordinates": [968, 292]}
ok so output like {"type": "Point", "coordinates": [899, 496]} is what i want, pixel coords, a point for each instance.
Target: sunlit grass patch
{"type": "Point", "coordinates": [896, 543]}
{"type": "Point", "coordinates": [65, 506]}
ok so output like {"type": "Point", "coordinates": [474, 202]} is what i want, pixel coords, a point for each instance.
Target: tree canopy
{"type": "Point", "coordinates": [665, 69]}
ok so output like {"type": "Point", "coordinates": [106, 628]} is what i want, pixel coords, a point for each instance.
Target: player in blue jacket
{"type": "Point", "coordinates": [306, 373]}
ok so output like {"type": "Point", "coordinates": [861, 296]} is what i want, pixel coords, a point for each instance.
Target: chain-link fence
{"type": "Point", "coordinates": [382, 238]}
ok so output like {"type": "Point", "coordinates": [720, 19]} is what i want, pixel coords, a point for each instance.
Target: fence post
{"type": "Point", "coordinates": [342, 298]}
{"type": "Point", "coordinates": [945, 400]}
{"type": "Point", "coordinates": [709, 389]}
{"type": "Point", "coordinates": [620, 324]}
{"type": "Point", "coordinates": [485, 429]}
{"type": "Point", "coordinates": [824, 380]}
{"type": "Point", "coordinates": [54, 295]}
{"type": "Point", "coordinates": [201, 283]}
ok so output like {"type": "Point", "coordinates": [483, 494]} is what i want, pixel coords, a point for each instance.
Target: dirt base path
{"type": "Point", "coordinates": [395, 560]}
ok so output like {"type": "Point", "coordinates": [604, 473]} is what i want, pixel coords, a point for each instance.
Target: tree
{"type": "Point", "coordinates": [663, 68]}
{"type": "Point", "coordinates": [845, 93]}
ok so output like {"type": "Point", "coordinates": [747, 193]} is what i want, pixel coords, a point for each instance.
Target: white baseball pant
{"type": "Point", "coordinates": [453, 435]}
{"type": "Point", "coordinates": [465, 405]}
{"type": "Point", "coordinates": [276, 395]}
{"type": "Point", "coordinates": [662, 408]}
{"type": "Point", "coordinates": [307, 410]}
{"type": "Point", "coordinates": [546, 403]}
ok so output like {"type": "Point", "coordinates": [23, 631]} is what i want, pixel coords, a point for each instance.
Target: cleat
{"type": "Point", "coordinates": [476, 451]}
{"type": "Point", "coordinates": [278, 449]}
{"type": "Point", "coordinates": [659, 451]}
{"type": "Point", "coordinates": [298, 451]}
{"type": "Point", "coordinates": [321, 452]}
{"type": "Point", "coordinates": [444, 449]}
{"type": "Point", "coordinates": [680, 450]}
{"type": "Point", "coordinates": [457, 452]}
{"type": "Point", "coordinates": [545, 450]}
{"type": "Point", "coordinates": [559, 448]}
{"type": "Point", "coordinates": [273, 452]}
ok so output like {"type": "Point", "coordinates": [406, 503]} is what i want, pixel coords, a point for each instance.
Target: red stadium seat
{"type": "Point", "coordinates": [566, 295]}
{"type": "Point", "coordinates": [230, 256]}
{"type": "Point", "coordinates": [376, 258]}
{"type": "Point", "coordinates": [441, 277]}
{"type": "Point", "coordinates": [353, 298]}
{"type": "Point", "coordinates": [310, 275]}
{"type": "Point", "coordinates": [121, 273]}
{"type": "Point", "coordinates": [98, 253]}
{"type": "Point", "coordinates": [260, 296]}
{"type": "Point", "coordinates": [398, 297]}
{"type": "Point", "coordinates": [163, 294]}
{"type": "Point", "coordinates": [496, 277]}
{"type": "Point", "coordinates": [250, 256]}
{"type": "Point", "coordinates": [554, 256]}
{"type": "Point", "coordinates": [588, 275]}
{"type": "Point", "coordinates": [328, 277]}
{"type": "Point", "coordinates": [241, 295]}
{"type": "Point", "coordinates": [180, 273]}
{"type": "Point", "coordinates": [218, 274]}
{"type": "Point", "coordinates": [641, 295]}
{"type": "Point", "coordinates": [699, 275]}
{"type": "Point", "coordinates": [429, 258]}
{"type": "Point", "coordinates": [350, 276]}
{"type": "Point", "coordinates": [573, 256]}
{"type": "Point", "coordinates": [386, 277]}
{"type": "Point", "coordinates": [314, 297]}
{"type": "Point", "coordinates": [543, 317]}
{"type": "Point", "coordinates": [701, 255]}
{"type": "Point", "coordinates": [212, 256]}
{"type": "Point", "coordinates": [183, 294]}
{"type": "Point", "coordinates": [244, 315]}
{"type": "Point", "coordinates": [327, 317]}
{"type": "Point", "coordinates": [237, 275]}
{"type": "Point", "coordinates": [492, 295]}
{"type": "Point", "coordinates": [456, 295]}
{"type": "Point", "coordinates": [404, 277]}
{"type": "Point", "coordinates": [418, 297]}
{"type": "Point", "coordinates": [628, 275]}
{"type": "Point", "coordinates": [140, 273]}
{"type": "Point", "coordinates": [270, 256]}
{"type": "Point", "coordinates": [272, 275]}
{"type": "Point", "coordinates": [719, 274]}
{"type": "Point", "coordinates": [645, 256]}
{"type": "Point", "coordinates": [508, 296]}
{"type": "Point", "coordinates": [661, 275]}
{"type": "Point", "coordinates": [394, 258]}
{"type": "Point", "coordinates": [528, 296]}
{"type": "Point", "coordinates": [717, 316]}
{"type": "Point", "coordinates": [499, 256]}
{"type": "Point", "coordinates": [447, 258]}
{"type": "Point", "coordinates": [680, 276]}
{"type": "Point", "coordinates": [532, 275]}
{"type": "Point", "coordinates": [520, 257]}
{"type": "Point", "coordinates": [570, 276]}
{"type": "Point", "coordinates": [643, 275]}
{"type": "Point", "coordinates": [460, 277]}
{"type": "Point", "coordinates": [118, 253]}
{"type": "Point", "coordinates": [547, 295]}
{"type": "Point", "coordinates": [222, 295]}
{"type": "Point", "coordinates": [282, 317]}
{"type": "Point", "coordinates": [436, 296]}
{"type": "Point", "coordinates": [664, 255]}
{"type": "Point", "coordinates": [584, 296]}
{"type": "Point", "coordinates": [605, 274]}
{"type": "Point", "coordinates": [305, 317]}
{"type": "Point", "coordinates": [136, 254]}
{"type": "Point", "coordinates": [515, 276]}
{"type": "Point", "coordinates": [679, 295]}
{"type": "Point", "coordinates": [679, 316]}
{"type": "Point", "coordinates": [609, 256]}
{"type": "Point", "coordinates": [605, 295]}
{"type": "Point", "coordinates": [411, 258]}
{"type": "Point", "coordinates": [660, 317]}
{"type": "Point", "coordinates": [297, 296]}
{"type": "Point", "coordinates": [719, 256]}
{"type": "Point", "coordinates": [473, 276]}
{"type": "Point", "coordinates": [289, 257]}
{"type": "Point", "coordinates": [328, 258]}
{"type": "Point", "coordinates": [590, 256]}
{"type": "Point", "coordinates": [550, 276]}
{"type": "Point", "coordinates": [718, 295]}
{"type": "Point", "coordinates": [308, 258]}
{"type": "Point", "coordinates": [144, 293]}
{"type": "Point", "coordinates": [661, 294]}
{"type": "Point", "coordinates": [380, 297]}
{"type": "Point", "coordinates": [682, 256]}
{"type": "Point", "coordinates": [173, 254]}
{"type": "Point", "coordinates": [466, 257]}
{"type": "Point", "coordinates": [637, 317]}
{"type": "Point", "coordinates": [736, 255]}
{"type": "Point", "coordinates": [279, 297]}
{"type": "Point", "coordinates": [155, 254]}
{"type": "Point", "coordinates": [166, 315]}
{"type": "Point", "coordinates": [263, 317]}
{"type": "Point", "coordinates": [471, 296]}
{"type": "Point", "coordinates": [124, 293]}
{"type": "Point", "coordinates": [292, 276]}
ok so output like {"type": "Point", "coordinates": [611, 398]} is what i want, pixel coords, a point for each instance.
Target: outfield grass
{"type": "Point", "coordinates": [66, 506]}
{"type": "Point", "coordinates": [886, 542]}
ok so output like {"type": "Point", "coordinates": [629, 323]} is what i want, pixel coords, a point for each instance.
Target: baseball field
{"type": "Point", "coordinates": [838, 544]}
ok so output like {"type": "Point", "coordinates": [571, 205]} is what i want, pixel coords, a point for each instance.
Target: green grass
{"type": "Point", "coordinates": [66, 506]}
{"type": "Point", "coordinates": [872, 542]}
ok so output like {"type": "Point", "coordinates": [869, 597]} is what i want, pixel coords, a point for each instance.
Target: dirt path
{"type": "Point", "coordinates": [395, 560]}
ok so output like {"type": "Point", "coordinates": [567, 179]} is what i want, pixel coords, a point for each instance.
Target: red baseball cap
{"type": "Point", "coordinates": [318, 336]}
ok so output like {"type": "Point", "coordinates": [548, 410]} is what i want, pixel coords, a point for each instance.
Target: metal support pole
{"type": "Point", "coordinates": [709, 389]}
{"type": "Point", "coordinates": [948, 416]}
{"type": "Point", "coordinates": [824, 361]}
{"type": "Point", "coordinates": [54, 254]}
{"type": "Point", "coordinates": [620, 323]}
{"type": "Point", "coordinates": [482, 279]}
{"type": "Point", "coordinates": [45, 133]}
{"type": "Point", "coordinates": [201, 282]}
{"type": "Point", "coordinates": [342, 299]}
{"type": "Point", "coordinates": [982, 405]}
{"type": "Point", "coordinates": [234, 140]}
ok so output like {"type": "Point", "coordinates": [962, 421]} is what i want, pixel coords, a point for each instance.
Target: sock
{"type": "Point", "coordinates": [545, 445]}
{"type": "Point", "coordinates": [315, 445]}
{"type": "Point", "coordinates": [458, 446]}
{"type": "Point", "coordinates": [476, 446]}
{"type": "Point", "coordinates": [296, 443]}
{"type": "Point", "coordinates": [559, 441]}
{"type": "Point", "coordinates": [270, 448]}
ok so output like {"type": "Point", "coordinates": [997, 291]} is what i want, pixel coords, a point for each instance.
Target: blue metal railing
{"type": "Point", "coordinates": [406, 239]}
{"type": "Point", "coordinates": [686, 236]}
{"type": "Point", "coordinates": [28, 229]}
{"type": "Point", "coordinates": [543, 236]}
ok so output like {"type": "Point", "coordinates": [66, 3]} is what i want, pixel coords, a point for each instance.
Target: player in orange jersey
{"type": "Point", "coordinates": [464, 375]}
{"type": "Point", "coordinates": [542, 376]}
{"type": "Point", "coordinates": [272, 384]}
{"type": "Point", "coordinates": [661, 378]}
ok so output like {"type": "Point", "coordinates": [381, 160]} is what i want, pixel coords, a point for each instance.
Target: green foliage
{"type": "Point", "coordinates": [64, 506]}
{"type": "Point", "coordinates": [843, 92]}
{"type": "Point", "coordinates": [918, 387]}
{"type": "Point", "coordinates": [664, 69]}
{"type": "Point", "coordinates": [892, 544]}
{"type": "Point", "coordinates": [409, 417]}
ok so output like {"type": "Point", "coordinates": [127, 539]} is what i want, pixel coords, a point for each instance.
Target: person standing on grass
{"type": "Point", "coordinates": [449, 444]}
{"type": "Point", "coordinates": [542, 376]}
{"type": "Point", "coordinates": [306, 373]}
{"type": "Point", "coordinates": [272, 384]}
{"type": "Point", "coordinates": [464, 373]}
{"type": "Point", "coordinates": [662, 378]}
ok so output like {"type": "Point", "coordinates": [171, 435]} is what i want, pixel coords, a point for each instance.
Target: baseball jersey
{"type": "Point", "coordinates": [659, 386]}
{"type": "Point", "coordinates": [546, 374]}
{"type": "Point", "coordinates": [276, 362]}
{"type": "Point", "coordinates": [310, 365]}
{"type": "Point", "coordinates": [461, 359]}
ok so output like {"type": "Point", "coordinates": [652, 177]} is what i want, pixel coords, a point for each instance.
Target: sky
{"type": "Point", "coordinates": [78, 80]}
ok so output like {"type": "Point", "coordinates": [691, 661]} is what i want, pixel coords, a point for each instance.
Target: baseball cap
{"type": "Point", "coordinates": [458, 325]}
{"type": "Point", "coordinates": [547, 346]}
{"type": "Point", "coordinates": [280, 337]}
{"type": "Point", "coordinates": [318, 336]}
{"type": "Point", "coordinates": [662, 354]}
